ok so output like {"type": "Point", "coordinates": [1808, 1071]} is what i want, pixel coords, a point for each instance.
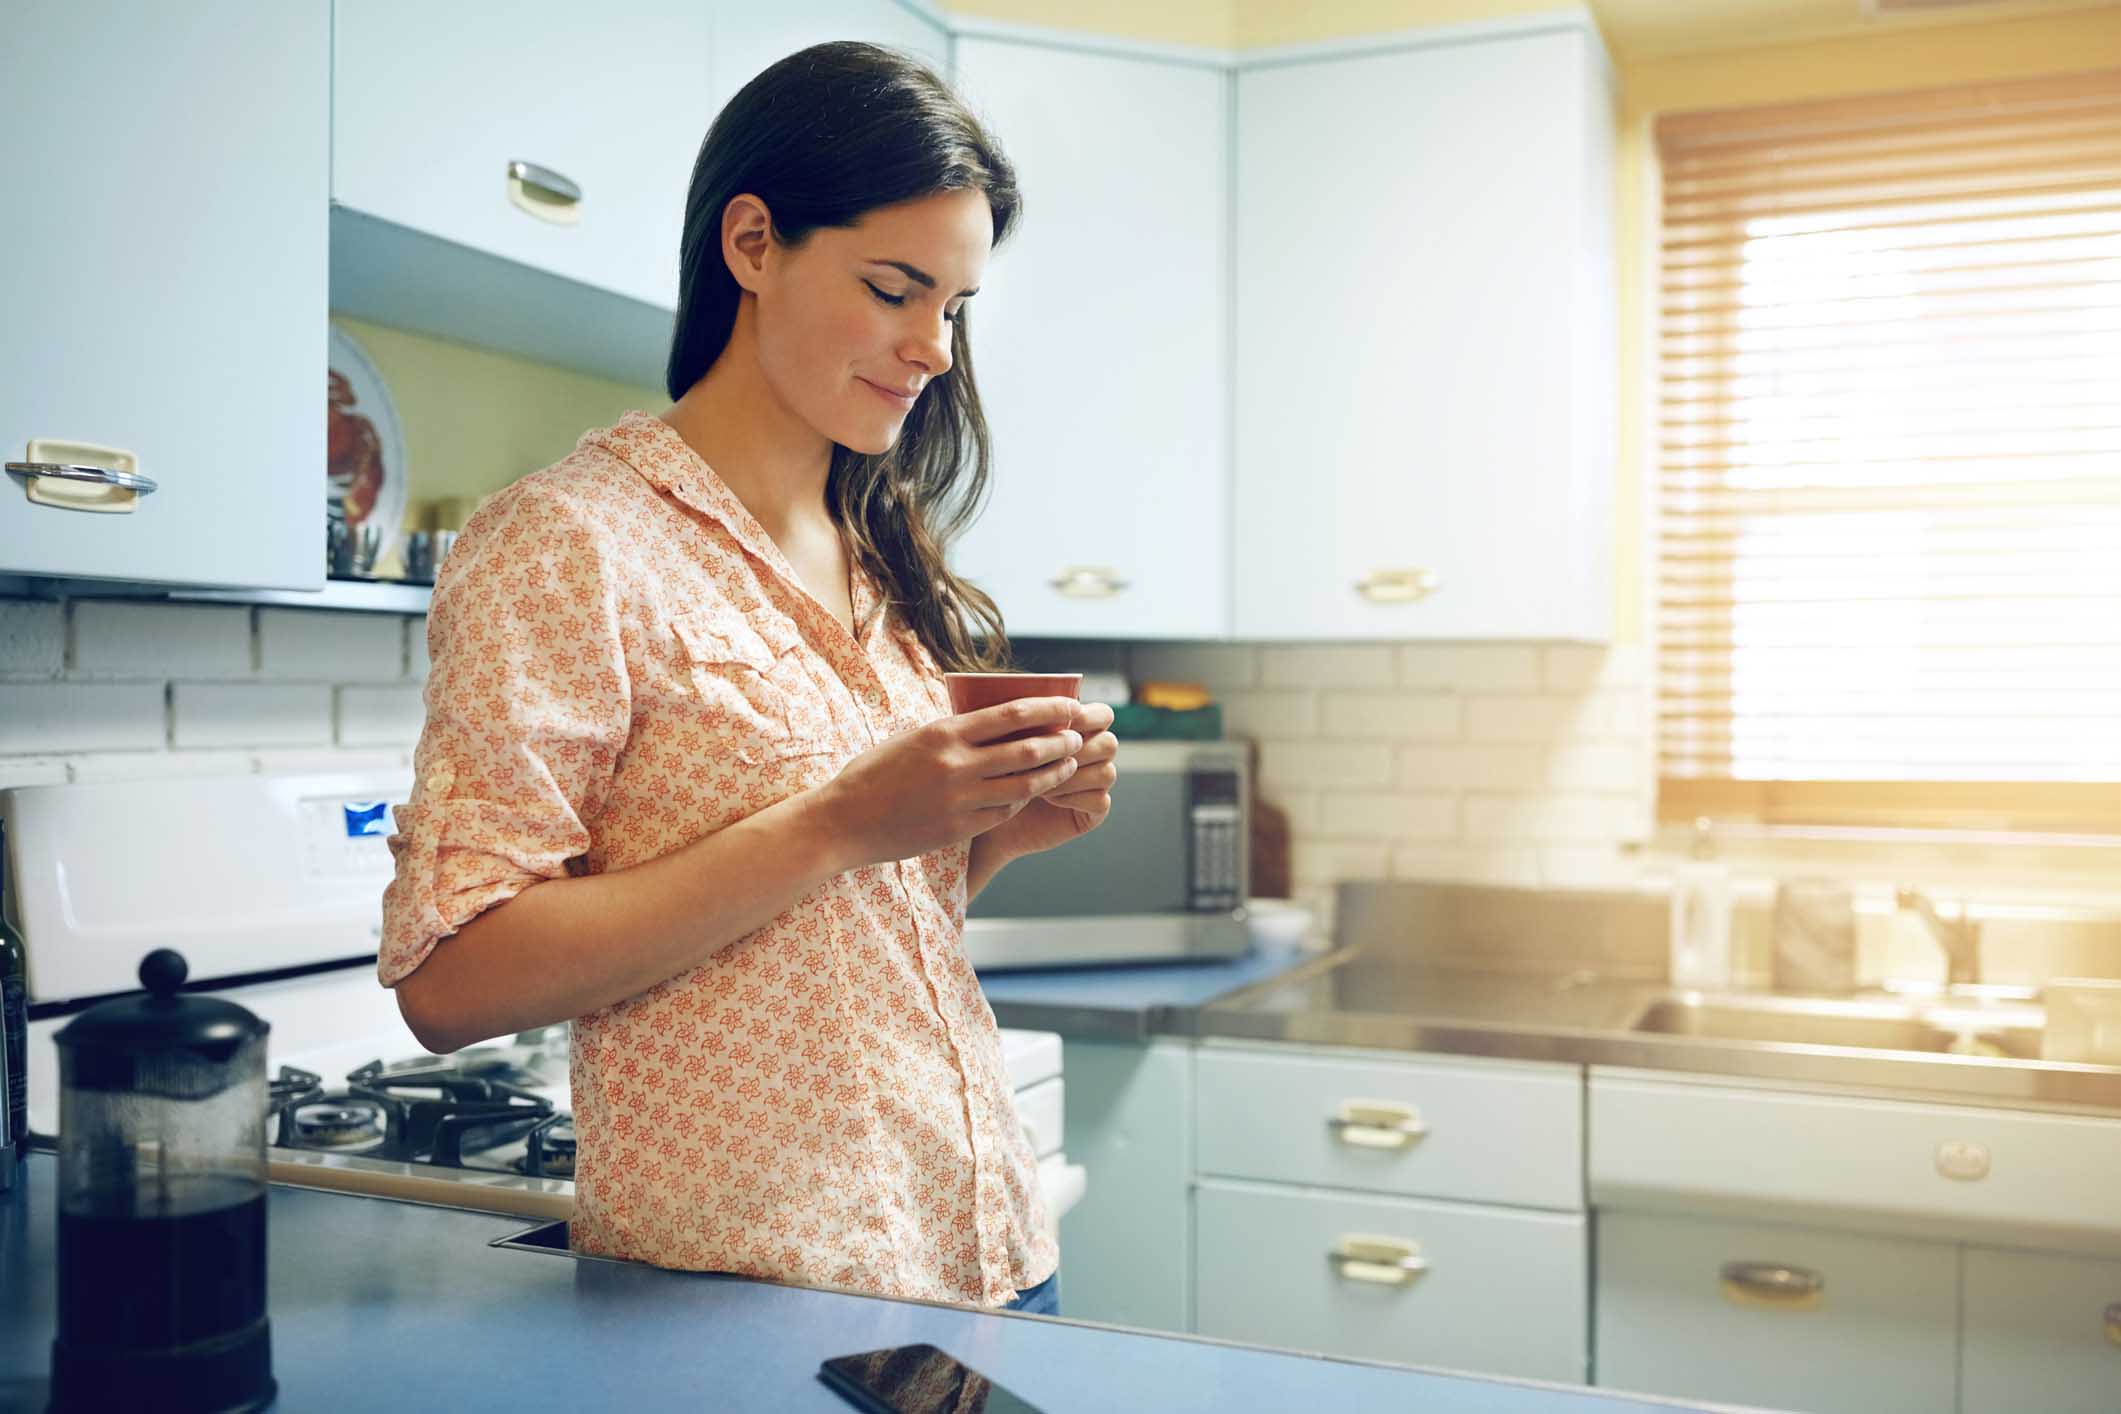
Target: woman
{"type": "Point", "coordinates": [689, 776]}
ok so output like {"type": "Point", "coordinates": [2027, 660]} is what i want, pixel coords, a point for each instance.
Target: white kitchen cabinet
{"type": "Point", "coordinates": [1776, 1315]}
{"type": "Point", "coordinates": [2039, 1331]}
{"type": "Point", "coordinates": [164, 286]}
{"type": "Point", "coordinates": [1127, 1247]}
{"type": "Point", "coordinates": [749, 37]}
{"type": "Point", "coordinates": [1431, 1127]}
{"type": "Point", "coordinates": [1487, 1289]}
{"type": "Point", "coordinates": [1947, 1170]}
{"type": "Point", "coordinates": [1099, 340]}
{"type": "Point", "coordinates": [432, 105]}
{"type": "Point", "coordinates": [1424, 343]}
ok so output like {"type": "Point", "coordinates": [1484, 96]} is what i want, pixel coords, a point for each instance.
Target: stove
{"type": "Point", "coordinates": [271, 886]}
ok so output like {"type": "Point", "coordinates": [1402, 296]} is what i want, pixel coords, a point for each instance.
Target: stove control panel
{"type": "Point", "coordinates": [345, 839]}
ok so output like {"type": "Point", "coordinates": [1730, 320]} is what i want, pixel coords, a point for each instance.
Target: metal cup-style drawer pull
{"type": "Point", "coordinates": [78, 476]}
{"type": "Point", "coordinates": [544, 193]}
{"type": "Point", "coordinates": [1404, 586]}
{"type": "Point", "coordinates": [1774, 1285]}
{"type": "Point", "coordinates": [1377, 1124]}
{"type": "Point", "coordinates": [1088, 582]}
{"type": "Point", "coordinates": [2113, 1323]}
{"type": "Point", "coordinates": [1381, 1261]}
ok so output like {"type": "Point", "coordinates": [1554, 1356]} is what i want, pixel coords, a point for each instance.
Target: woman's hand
{"type": "Point", "coordinates": [952, 779]}
{"type": "Point", "coordinates": [1076, 806]}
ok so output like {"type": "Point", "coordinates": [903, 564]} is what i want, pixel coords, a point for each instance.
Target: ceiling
{"type": "Point", "coordinates": [1652, 29]}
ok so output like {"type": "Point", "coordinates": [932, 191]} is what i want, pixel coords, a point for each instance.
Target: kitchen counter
{"type": "Point", "coordinates": [1382, 998]}
{"type": "Point", "coordinates": [391, 1306]}
{"type": "Point", "coordinates": [1132, 1002]}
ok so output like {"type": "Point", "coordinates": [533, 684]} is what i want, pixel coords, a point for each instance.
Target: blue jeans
{"type": "Point", "coordinates": [1040, 1300]}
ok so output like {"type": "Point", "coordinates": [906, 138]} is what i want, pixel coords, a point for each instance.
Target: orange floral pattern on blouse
{"type": "Point", "coordinates": [624, 662]}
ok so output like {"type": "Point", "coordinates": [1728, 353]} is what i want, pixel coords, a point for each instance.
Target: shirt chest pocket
{"type": "Point", "coordinates": [755, 690]}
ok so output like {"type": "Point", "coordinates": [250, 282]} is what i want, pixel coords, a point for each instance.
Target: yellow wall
{"type": "Point", "coordinates": [475, 420]}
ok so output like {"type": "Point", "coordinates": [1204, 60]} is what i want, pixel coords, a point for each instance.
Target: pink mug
{"type": "Point", "coordinates": [971, 691]}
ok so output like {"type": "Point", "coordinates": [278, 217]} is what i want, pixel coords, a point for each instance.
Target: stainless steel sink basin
{"type": "Point", "coordinates": [1861, 1025]}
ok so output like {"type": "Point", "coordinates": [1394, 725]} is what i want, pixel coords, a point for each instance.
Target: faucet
{"type": "Point", "coordinates": [1959, 937]}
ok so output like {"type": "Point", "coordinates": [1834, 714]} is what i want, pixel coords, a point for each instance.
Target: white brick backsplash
{"type": "Point", "coordinates": [1566, 867]}
{"type": "Point", "coordinates": [82, 716]}
{"type": "Point", "coordinates": [1513, 865]}
{"type": "Point", "coordinates": [115, 638]}
{"type": "Point", "coordinates": [1470, 667]}
{"type": "Point", "coordinates": [1610, 716]}
{"type": "Point", "coordinates": [1217, 665]}
{"type": "Point", "coordinates": [416, 647]}
{"type": "Point", "coordinates": [250, 714]}
{"type": "Point", "coordinates": [1264, 714]}
{"type": "Point", "coordinates": [31, 771]}
{"type": "Point", "coordinates": [297, 761]}
{"type": "Point", "coordinates": [1598, 766]}
{"type": "Point", "coordinates": [1312, 864]}
{"type": "Point", "coordinates": [330, 647]}
{"type": "Point", "coordinates": [32, 638]}
{"type": "Point", "coordinates": [1560, 819]}
{"type": "Point", "coordinates": [1302, 763]}
{"type": "Point", "coordinates": [1471, 767]}
{"type": "Point", "coordinates": [1389, 815]}
{"type": "Point", "coordinates": [1391, 716]}
{"type": "Point", "coordinates": [1360, 666]}
{"type": "Point", "coordinates": [1517, 719]}
{"type": "Point", "coordinates": [380, 716]}
{"type": "Point", "coordinates": [159, 765]}
{"type": "Point", "coordinates": [1575, 668]}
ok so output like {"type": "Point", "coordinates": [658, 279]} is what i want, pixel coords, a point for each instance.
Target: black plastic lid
{"type": "Point", "coordinates": [162, 1021]}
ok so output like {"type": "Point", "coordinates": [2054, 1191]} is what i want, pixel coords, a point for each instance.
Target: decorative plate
{"type": "Point", "coordinates": [364, 478]}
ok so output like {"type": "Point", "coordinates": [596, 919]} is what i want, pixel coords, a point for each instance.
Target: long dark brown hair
{"type": "Point", "coordinates": [822, 137]}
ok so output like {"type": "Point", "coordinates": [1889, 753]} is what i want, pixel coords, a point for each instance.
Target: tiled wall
{"type": "Point", "coordinates": [103, 689]}
{"type": "Point", "coordinates": [1517, 764]}
{"type": "Point", "coordinates": [1511, 763]}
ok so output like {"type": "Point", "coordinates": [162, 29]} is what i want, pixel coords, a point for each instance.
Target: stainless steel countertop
{"type": "Point", "coordinates": [1382, 998]}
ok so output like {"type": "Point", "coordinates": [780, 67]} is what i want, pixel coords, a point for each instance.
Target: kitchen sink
{"type": "Point", "coordinates": [1887, 1025]}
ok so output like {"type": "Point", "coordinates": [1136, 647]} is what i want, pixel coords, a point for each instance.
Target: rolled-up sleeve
{"type": "Point", "coordinates": [528, 708]}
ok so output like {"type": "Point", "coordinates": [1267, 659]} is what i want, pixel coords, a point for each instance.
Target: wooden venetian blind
{"type": "Point", "coordinates": [1890, 429]}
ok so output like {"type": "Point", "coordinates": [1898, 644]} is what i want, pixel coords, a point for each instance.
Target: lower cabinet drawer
{"type": "Point", "coordinates": [1767, 1314]}
{"type": "Point", "coordinates": [2039, 1332]}
{"type": "Point", "coordinates": [1454, 1285]}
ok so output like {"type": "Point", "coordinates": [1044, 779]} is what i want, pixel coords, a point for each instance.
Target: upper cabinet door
{"type": "Point", "coordinates": [603, 106]}
{"type": "Point", "coordinates": [164, 286]}
{"type": "Point", "coordinates": [1099, 338]}
{"type": "Point", "coordinates": [750, 37]}
{"type": "Point", "coordinates": [1425, 342]}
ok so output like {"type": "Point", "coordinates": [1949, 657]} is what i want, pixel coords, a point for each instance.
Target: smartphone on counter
{"type": "Point", "coordinates": [917, 1379]}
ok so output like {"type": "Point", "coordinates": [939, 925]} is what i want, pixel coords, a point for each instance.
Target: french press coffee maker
{"type": "Point", "coordinates": [162, 1204]}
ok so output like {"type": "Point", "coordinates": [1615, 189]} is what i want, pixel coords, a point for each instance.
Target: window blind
{"type": "Point", "coordinates": [1889, 431]}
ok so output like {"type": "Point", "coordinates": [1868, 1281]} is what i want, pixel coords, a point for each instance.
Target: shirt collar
{"type": "Point", "coordinates": [653, 448]}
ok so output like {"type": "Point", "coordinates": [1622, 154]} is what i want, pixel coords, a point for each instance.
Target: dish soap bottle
{"type": "Point", "coordinates": [1701, 917]}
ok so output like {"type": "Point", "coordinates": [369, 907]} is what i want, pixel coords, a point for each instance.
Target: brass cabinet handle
{"type": "Point", "coordinates": [1377, 1124]}
{"type": "Point", "coordinates": [1773, 1284]}
{"type": "Point", "coordinates": [544, 193]}
{"type": "Point", "coordinates": [1088, 582]}
{"type": "Point", "coordinates": [1401, 586]}
{"type": "Point", "coordinates": [1381, 1261]}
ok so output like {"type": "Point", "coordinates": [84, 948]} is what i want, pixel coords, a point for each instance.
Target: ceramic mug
{"type": "Point", "coordinates": [971, 691]}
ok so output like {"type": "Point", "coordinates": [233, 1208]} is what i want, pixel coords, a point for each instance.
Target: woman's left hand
{"type": "Point", "coordinates": [1075, 807]}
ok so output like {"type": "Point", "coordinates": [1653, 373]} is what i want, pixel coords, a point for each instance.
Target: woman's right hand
{"type": "Point", "coordinates": [952, 779]}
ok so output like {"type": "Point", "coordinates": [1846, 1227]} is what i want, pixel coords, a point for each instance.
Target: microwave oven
{"type": "Point", "coordinates": [1164, 878]}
